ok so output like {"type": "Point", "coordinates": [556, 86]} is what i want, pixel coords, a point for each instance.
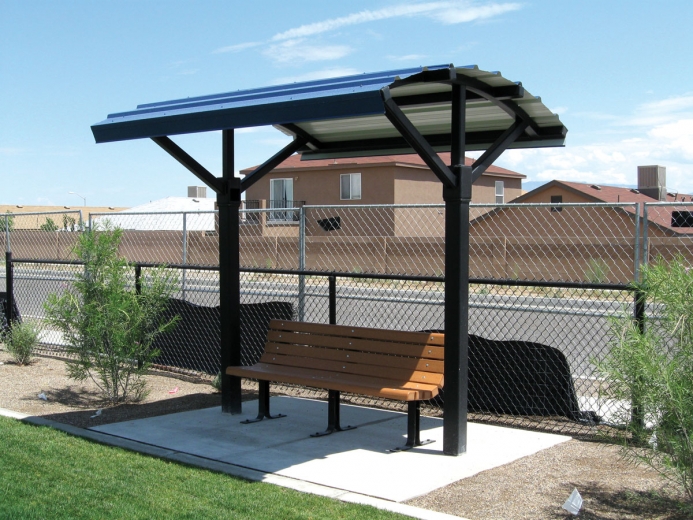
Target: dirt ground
{"type": "Point", "coordinates": [533, 487]}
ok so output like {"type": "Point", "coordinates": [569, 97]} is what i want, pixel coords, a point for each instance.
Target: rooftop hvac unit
{"type": "Point", "coordinates": [652, 181]}
{"type": "Point", "coordinates": [197, 192]}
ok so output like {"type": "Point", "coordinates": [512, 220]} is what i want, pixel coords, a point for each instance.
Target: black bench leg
{"type": "Point", "coordinates": [333, 416]}
{"type": "Point", "coordinates": [263, 405]}
{"type": "Point", "coordinates": [413, 428]}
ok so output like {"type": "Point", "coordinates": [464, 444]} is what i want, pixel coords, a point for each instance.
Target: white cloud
{"type": "Point", "coordinates": [299, 50]}
{"type": "Point", "coordinates": [450, 12]}
{"type": "Point", "coordinates": [660, 132]}
{"type": "Point", "coordinates": [446, 12]}
{"type": "Point", "coordinates": [465, 12]}
{"type": "Point", "coordinates": [237, 47]}
{"type": "Point", "coordinates": [365, 16]}
{"type": "Point", "coordinates": [334, 72]}
{"type": "Point", "coordinates": [408, 57]}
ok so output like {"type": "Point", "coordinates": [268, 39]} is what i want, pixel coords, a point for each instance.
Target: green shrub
{"type": "Point", "coordinates": [109, 327]}
{"type": "Point", "coordinates": [49, 225]}
{"type": "Point", "coordinates": [653, 370]}
{"type": "Point", "coordinates": [216, 382]}
{"type": "Point", "coordinates": [597, 271]}
{"type": "Point", "coordinates": [21, 340]}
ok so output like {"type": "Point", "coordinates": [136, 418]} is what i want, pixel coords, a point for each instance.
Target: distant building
{"type": "Point", "coordinates": [165, 214]}
{"type": "Point", "coordinates": [23, 221]}
{"type": "Point", "coordinates": [390, 179]}
{"type": "Point", "coordinates": [572, 242]}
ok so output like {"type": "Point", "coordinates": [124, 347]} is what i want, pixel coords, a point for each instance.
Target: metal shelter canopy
{"type": "Point", "coordinates": [424, 109]}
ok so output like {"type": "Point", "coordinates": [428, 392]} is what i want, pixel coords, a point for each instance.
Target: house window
{"type": "Point", "coordinates": [500, 192]}
{"type": "Point", "coordinates": [682, 219]}
{"type": "Point", "coordinates": [556, 199]}
{"type": "Point", "coordinates": [281, 197]}
{"type": "Point", "coordinates": [350, 186]}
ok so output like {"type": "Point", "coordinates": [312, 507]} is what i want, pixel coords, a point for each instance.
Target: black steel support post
{"type": "Point", "coordinates": [457, 201]}
{"type": "Point", "coordinates": [332, 280]}
{"type": "Point", "coordinates": [229, 202]}
{"type": "Point", "coordinates": [9, 287]}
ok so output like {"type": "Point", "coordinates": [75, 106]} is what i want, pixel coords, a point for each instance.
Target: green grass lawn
{"type": "Point", "coordinates": [45, 473]}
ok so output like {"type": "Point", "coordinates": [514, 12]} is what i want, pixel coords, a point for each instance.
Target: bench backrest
{"type": "Point", "coordinates": [394, 355]}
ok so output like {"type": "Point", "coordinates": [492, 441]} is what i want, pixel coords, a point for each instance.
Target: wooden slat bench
{"type": "Point", "coordinates": [400, 365]}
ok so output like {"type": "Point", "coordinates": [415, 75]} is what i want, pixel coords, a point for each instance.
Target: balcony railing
{"type": "Point", "coordinates": [289, 215]}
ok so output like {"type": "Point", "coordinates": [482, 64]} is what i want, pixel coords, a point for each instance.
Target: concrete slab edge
{"type": "Point", "coordinates": [231, 469]}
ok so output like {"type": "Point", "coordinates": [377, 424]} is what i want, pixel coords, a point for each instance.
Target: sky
{"type": "Point", "coordinates": [617, 72]}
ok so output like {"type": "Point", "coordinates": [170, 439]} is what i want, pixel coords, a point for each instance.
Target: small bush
{"type": "Point", "coordinates": [652, 368]}
{"type": "Point", "coordinates": [108, 326]}
{"type": "Point", "coordinates": [21, 340]}
{"type": "Point", "coordinates": [216, 382]}
{"type": "Point", "coordinates": [597, 271]}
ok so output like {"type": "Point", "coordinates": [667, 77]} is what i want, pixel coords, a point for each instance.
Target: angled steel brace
{"type": "Point", "coordinates": [311, 141]}
{"type": "Point", "coordinates": [497, 148]}
{"type": "Point", "coordinates": [271, 163]}
{"type": "Point", "coordinates": [191, 164]}
{"type": "Point", "coordinates": [417, 141]}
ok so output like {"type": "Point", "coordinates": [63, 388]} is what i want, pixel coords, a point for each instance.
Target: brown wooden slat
{"type": "Point", "coordinates": [385, 373]}
{"type": "Point", "coordinates": [365, 358]}
{"type": "Point", "coordinates": [331, 381]}
{"type": "Point", "coordinates": [421, 338]}
{"type": "Point", "coordinates": [383, 347]}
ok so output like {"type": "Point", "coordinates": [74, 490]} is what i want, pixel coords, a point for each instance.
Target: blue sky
{"type": "Point", "coordinates": [618, 72]}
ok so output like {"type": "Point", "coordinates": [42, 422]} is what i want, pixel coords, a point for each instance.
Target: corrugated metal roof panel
{"type": "Point", "coordinates": [348, 112]}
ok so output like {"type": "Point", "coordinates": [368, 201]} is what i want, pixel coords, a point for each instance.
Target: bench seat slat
{"type": "Point", "coordinates": [343, 331]}
{"type": "Point", "coordinates": [376, 387]}
{"type": "Point", "coordinates": [383, 371]}
{"type": "Point", "coordinates": [366, 358]}
{"type": "Point", "coordinates": [383, 347]}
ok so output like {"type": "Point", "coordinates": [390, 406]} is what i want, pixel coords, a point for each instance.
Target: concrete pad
{"type": "Point", "coordinates": [357, 461]}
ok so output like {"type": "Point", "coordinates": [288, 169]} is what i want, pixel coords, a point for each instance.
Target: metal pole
{"type": "Point", "coordinates": [645, 247]}
{"type": "Point", "coordinates": [301, 263]}
{"type": "Point", "coordinates": [229, 202]}
{"type": "Point", "coordinates": [7, 233]}
{"type": "Point", "coordinates": [457, 199]}
{"type": "Point", "coordinates": [138, 279]}
{"type": "Point", "coordinates": [185, 249]}
{"type": "Point", "coordinates": [332, 279]}
{"type": "Point", "coordinates": [637, 418]}
{"type": "Point", "coordinates": [636, 251]}
{"type": "Point", "coordinates": [9, 275]}
{"type": "Point", "coordinates": [9, 286]}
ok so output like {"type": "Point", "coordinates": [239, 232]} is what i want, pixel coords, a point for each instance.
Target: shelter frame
{"type": "Point", "coordinates": [375, 95]}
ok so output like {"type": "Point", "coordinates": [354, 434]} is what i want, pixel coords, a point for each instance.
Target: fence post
{"type": "Point", "coordinates": [636, 250]}
{"type": "Point", "coordinates": [333, 299]}
{"type": "Point", "coordinates": [301, 263]}
{"type": "Point", "coordinates": [138, 279]}
{"type": "Point", "coordinates": [185, 249]}
{"type": "Point", "coordinates": [9, 286]}
{"type": "Point", "coordinates": [637, 418]}
{"type": "Point", "coordinates": [9, 275]}
{"type": "Point", "coordinates": [645, 246]}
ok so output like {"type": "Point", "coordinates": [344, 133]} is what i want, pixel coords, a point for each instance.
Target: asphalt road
{"type": "Point", "coordinates": [578, 327]}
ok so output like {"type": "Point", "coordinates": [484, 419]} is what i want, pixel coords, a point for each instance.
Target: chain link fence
{"type": "Point", "coordinates": [546, 278]}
